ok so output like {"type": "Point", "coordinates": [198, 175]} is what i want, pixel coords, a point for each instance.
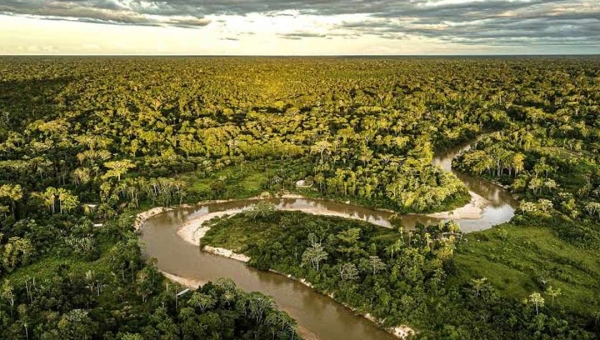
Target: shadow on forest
{"type": "Point", "coordinates": [21, 101]}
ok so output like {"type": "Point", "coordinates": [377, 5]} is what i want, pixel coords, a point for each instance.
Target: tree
{"type": "Point", "coordinates": [528, 207]}
{"type": "Point", "coordinates": [67, 200]}
{"type": "Point", "coordinates": [118, 168]}
{"type": "Point", "coordinates": [76, 325]}
{"type": "Point", "coordinates": [314, 255]}
{"type": "Point", "coordinates": [543, 167]}
{"type": "Point", "coordinates": [49, 198]}
{"type": "Point", "coordinates": [313, 239]}
{"type": "Point", "coordinates": [261, 209]}
{"type": "Point", "coordinates": [593, 209]}
{"type": "Point", "coordinates": [17, 251]}
{"type": "Point", "coordinates": [478, 285]}
{"type": "Point", "coordinates": [13, 193]}
{"type": "Point", "coordinates": [349, 241]}
{"type": "Point", "coordinates": [517, 162]}
{"type": "Point", "coordinates": [259, 305]}
{"type": "Point", "coordinates": [373, 264]}
{"type": "Point", "coordinates": [394, 248]}
{"type": "Point", "coordinates": [550, 184]}
{"type": "Point", "coordinates": [545, 205]}
{"type": "Point", "coordinates": [202, 301]}
{"type": "Point", "coordinates": [321, 147]}
{"type": "Point", "coordinates": [81, 176]}
{"type": "Point", "coordinates": [537, 300]}
{"type": "Point", "coordinates": [144, 285]}
{"type": "Point", "coordinates": [348, 272]}
{"type": "Point", "coordinates": [553, 293]}
{"type": "Point", "coordinates": [7, 294]}
{"type": "Point", "coordinates": [535, 184]}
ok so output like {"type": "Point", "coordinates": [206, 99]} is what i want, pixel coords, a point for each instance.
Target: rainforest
{"type": "Point", "coordinates": [330, 198]}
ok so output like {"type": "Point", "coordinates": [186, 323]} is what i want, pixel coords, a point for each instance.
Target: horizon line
{"type": "Point", "coordinates": [308, 55]}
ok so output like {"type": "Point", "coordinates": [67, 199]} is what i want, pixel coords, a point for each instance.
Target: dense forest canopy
{"type": "Point", "coordinates": [86, 140]}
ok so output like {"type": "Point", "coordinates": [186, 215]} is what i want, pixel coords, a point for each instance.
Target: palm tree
{"type": "Point", "coordinates": [67, 200]}
{"type": "Point", "coordinates": [320, 147]}
{"type": "Point", "coordinates": [394, 248]}
{"type": "Point", "coordinates": [478, 285]}
{"type": "Point", "coordinates": [554, 293]}
{"type": "Point", "coordinates": [49, 198]}
{"type": "Point", "coordinates": [118, 168]}
{"type": "Point", "coordinates": [537, 300]}
{"type": "Point", "coordinates": [14, 193]}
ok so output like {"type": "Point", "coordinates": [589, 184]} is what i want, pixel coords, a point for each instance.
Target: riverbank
{"type": "Point", "coordinates": [193, 231]}
{"type": "Point", "coordinates": [471, 211]}
{"type": "Point", "coordinates": [183, 281]}
{"type": "Point", "coordinates": [143, 216]}
{"type": "Point", "coordinates": [189, 231]}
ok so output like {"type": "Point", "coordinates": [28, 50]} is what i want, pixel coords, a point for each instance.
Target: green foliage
{"type": "Point", "coordinates": [411, 277]}
{"type": "Point", "coordinates": [532, 258]}
{"type": "Point", "coordinates": [68, 296]}
{"type": "Point", "coordinates": [125, 133]}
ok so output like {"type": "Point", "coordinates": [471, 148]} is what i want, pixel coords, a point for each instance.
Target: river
{"type": "Point", "coordinates": [316, 314]}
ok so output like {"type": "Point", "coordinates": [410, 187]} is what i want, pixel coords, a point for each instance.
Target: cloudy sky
{"type": "Point", "coordinates": [294, 27]}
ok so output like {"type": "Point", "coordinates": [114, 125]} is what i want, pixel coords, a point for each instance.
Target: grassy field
{"type": "Point", "coordinates": [521, 260]}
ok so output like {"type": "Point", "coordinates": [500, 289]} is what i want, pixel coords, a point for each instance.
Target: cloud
{"type": "Point", "coordinates": [300, 35]}
{"type": "Point", "coordinates": [121, 12]}
{"type": "Point", "coordinates": [469, 22]}
{"type": "Point", "coordinates": [491, 23]}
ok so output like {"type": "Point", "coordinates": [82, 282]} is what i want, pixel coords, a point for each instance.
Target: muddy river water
{"type": "Point", "coordinates": [317, 315]}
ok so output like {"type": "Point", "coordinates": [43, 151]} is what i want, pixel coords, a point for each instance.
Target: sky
{"type": "Point", "coordinates": [293, 27]}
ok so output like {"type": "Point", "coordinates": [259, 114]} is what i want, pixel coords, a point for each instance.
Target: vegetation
{"type": "Point", "coordinates": [93, 140]}
{"type": "Point", "coordinates": [92, 284]}
{"type": "Point", "coordinates": [548, 157]}
{"type": "Point", "coordinates": [400, 277]}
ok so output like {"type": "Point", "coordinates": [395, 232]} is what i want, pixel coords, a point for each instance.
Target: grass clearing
{"type": "Point", "coordinates": [519, 260]}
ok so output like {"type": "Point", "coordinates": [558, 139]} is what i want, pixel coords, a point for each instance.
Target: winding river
{"type": "Point", "coordinates": [318, 316]}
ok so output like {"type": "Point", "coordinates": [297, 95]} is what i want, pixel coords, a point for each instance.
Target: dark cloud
{"type": "Point", "coordinates": [105, 11]}
{"type": "Point", "coordinates": [490, 22]}
{"type": "Point", "coordinates": [558, 28]}
{"type": "Point", "coordinates": [300, 35]}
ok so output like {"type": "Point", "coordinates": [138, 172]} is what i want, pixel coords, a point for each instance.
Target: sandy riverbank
{"type": "Point", "coordinates": [472, 211]}
{"type": "Point", "coordinates": [143, 216]}
{"type": "Point", "coordinates": [193, 231]}
{"type": "Point", "coordinates": [183, 281]}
